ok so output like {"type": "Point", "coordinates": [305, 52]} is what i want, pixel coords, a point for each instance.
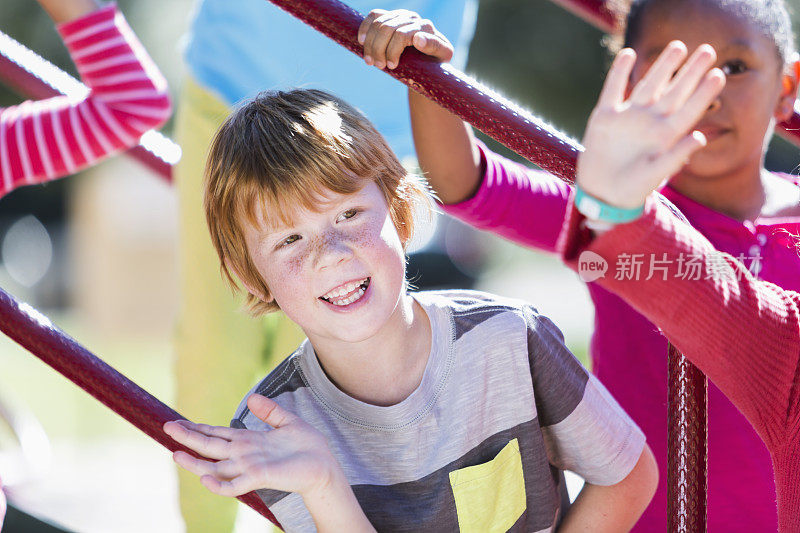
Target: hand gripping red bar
{"type": "Point", "coordinates": [491, 113]}
{"type": "Point", "coordinates": [34, 332]}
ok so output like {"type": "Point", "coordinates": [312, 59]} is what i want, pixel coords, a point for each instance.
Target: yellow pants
{"type": "Point", "coordinates": [220, 352]}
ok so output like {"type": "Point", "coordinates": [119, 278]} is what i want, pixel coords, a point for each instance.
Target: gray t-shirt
{"type": "Point", "coordinates": [502, 409]}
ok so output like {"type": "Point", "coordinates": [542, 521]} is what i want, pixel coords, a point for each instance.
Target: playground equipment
{"type": "Point", "coordinates": [496, 116]}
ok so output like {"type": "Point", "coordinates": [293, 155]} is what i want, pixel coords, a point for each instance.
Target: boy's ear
{"type": "Point", "coordinates": [791, 78]}
{"type": "Point", "coordinates": [252, 290]}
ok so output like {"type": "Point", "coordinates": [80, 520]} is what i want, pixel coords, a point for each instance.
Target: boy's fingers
{"type": "Point", "coordinates": [613, 91]}
{"type": "Point", "coordinates": [687, 79]}
{"type": "Point", "coordinates": [198, 467]}
{"type": "Point", "coordinates": [180, 427]}
{"type": "Point", "coordinates": [212, 447]}
{"type": "Point", "coordinates": [225, 469]}
{"type": "Point", "coordinates": [269, 411]}
{"type": "Point", "coordinates": [216, 431]}
{"type": "Point", "coordinates": [652, 84]}
{"type": "Point", "coordinates": [235, 487]}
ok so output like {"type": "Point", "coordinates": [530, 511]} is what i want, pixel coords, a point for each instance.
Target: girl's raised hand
{"type": "Point", "coordinates": [385, 34]}
{"type": "Point", "coordinates": [633, 144]}
{"type": "Point", "coordinates": [293, 457]}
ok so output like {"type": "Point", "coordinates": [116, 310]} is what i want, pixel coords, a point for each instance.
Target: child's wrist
{"type": "Point", "coordinates": [598, 227]}
{"type": "Point", "coordinates": [331, 480]}
{"type": "Point", "coordinates": [602, 213]}
{"type": "Point", "coordinates": [334, 506]}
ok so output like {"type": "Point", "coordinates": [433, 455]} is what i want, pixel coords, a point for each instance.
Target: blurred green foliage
{"type": "Point", "coordinates": [540, 56]}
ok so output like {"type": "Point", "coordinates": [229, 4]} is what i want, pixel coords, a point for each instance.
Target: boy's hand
{"type": "Point", "coordinates": [633, 144]}
{"type": "Point", "coordinates": [293, 457]}
{"type": "Point", "coordinates": [385, 34]}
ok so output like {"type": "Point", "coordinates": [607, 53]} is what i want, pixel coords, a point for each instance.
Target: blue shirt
{"type": "Point", "coordinates": [238, 48]}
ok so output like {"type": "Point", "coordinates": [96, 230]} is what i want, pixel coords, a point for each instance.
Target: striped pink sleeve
{"type": "Point", "coordinates": [46, 139]}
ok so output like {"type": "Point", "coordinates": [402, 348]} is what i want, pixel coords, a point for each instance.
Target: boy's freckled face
{"type": "Point", "coordinates": [736, 125]}
{"type": "Point", "coordinates": [339, 273]}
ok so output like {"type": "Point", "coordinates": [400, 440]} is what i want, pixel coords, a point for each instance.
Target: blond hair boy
{"type": "Point", "coordinates": [447, 410]}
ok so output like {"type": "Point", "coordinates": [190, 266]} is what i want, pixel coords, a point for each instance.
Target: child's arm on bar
{"type": "Point", "coordinates": [446, 149]}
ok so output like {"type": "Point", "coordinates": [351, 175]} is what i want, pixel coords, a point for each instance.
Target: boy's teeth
{"type": "Point", "coordinates": [336, 297]}
{"type": "Point", "coordinates": [350, 299]}
{"type": "Point", "coordinates": [346, 289]}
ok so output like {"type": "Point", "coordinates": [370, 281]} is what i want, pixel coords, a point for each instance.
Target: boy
{"type": "Point", "coordinates": [401, 411]}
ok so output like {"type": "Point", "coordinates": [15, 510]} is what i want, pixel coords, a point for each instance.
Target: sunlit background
{"type": "Point", "coordinates": [96, 252]}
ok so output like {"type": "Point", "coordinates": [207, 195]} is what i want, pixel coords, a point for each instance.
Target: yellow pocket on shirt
{"type": "Point", "coordinates": [490, 497]}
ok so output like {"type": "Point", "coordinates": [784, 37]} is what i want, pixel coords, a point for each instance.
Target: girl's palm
{"type": "Point", "coordinates": [632, 145]}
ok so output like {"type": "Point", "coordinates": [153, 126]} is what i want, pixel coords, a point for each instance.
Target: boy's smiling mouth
{"type": "Point", "coordinates": [346, 293]}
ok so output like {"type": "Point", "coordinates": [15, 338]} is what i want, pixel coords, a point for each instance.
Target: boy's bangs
{"type": "Point", "coordinates": [275, 201]}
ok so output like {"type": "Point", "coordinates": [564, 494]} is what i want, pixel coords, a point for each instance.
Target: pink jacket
{"type": "Point", "coordinates": [743, 333]}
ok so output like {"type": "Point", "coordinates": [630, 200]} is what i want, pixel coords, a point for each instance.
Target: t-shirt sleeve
{"type": "Point", "coordinates": [585, 430]}
{"type": "Point", "coordinates": [272, 386]}
{"type": "Point", "coordinates": [524, 205]}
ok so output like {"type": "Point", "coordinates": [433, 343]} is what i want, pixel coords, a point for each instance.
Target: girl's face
{"type": "Point", "coordinates": [737, 123]}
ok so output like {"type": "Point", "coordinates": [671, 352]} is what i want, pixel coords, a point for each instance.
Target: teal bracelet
{"type": "Point", "coordinates": [598, 210]}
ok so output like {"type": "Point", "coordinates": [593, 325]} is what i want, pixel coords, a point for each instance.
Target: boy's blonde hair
{"type": "Point", "coordinates": [281, 151]}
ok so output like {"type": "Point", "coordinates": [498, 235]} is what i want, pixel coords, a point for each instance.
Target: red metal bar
{"type": "Point", "coordinates": [687, 474]}
{"type": "Point", "coordinates": [31, 85]}
{"type": "Point", "coordinates": [34, 332]}
{"type": "Point", "coordinates": [597, 14]}
{"type": "Point", "coordinates": [493, 114]}
{"type": "Point", "coordinates": [592, 11]}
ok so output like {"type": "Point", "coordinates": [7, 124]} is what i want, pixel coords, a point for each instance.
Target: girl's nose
{"type": "Point", "coordinates": [715, 105]}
